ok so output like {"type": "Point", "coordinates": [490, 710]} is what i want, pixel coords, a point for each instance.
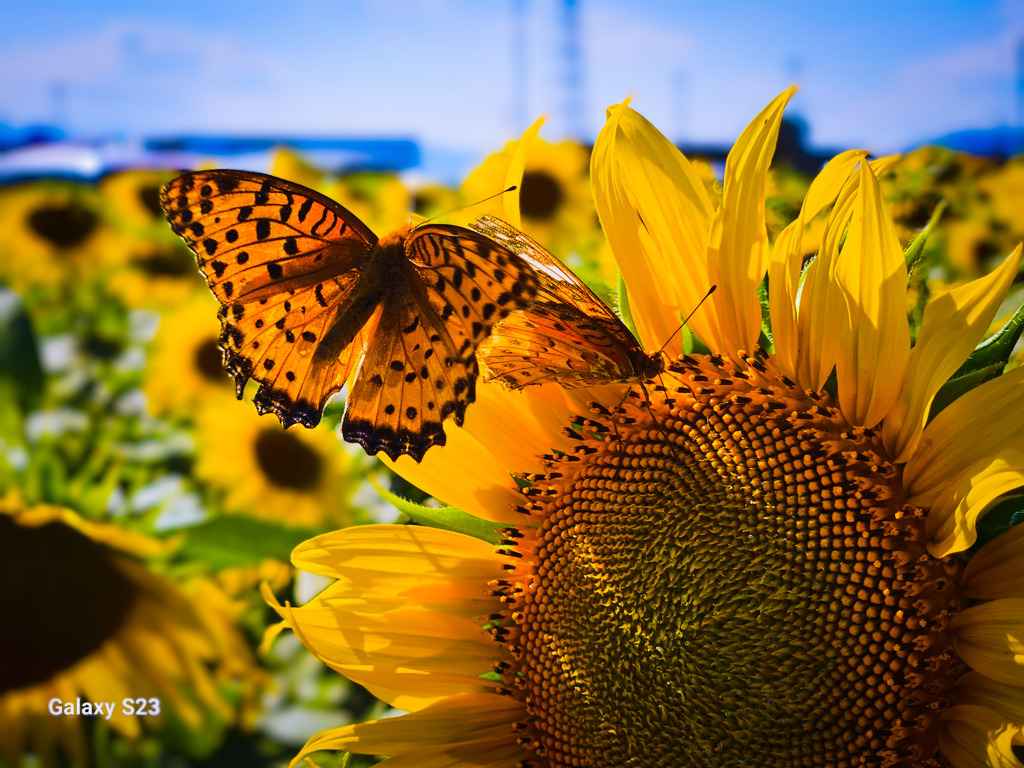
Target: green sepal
{"type": "Point", "coordinates": [999, 519]}
{"type": "Point", "coordinates": [625, 312]}
{"type": "Point", "coordinates": [445, 518]}
{"type": "Point", "coordinates": [332, 759]}
{"type": "Point", "coordinates": [986, 362]}
{"type": "Point", "coordinates": [766, 340]}
{"type": "Point", "coordinates": [915, 251]}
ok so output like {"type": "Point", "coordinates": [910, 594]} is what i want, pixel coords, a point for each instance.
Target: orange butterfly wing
{"type": "Point", "coordinates": [305, 288]}
{"type": "Point", "coordinates": [284, 262]}
{"type": "Point", "coordinates": [421, 365]}
{"type": "Point", "coordinates": [567, 335]}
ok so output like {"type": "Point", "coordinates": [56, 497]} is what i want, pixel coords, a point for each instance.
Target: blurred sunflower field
{"type": "Point", "coordinates": [143, 507]}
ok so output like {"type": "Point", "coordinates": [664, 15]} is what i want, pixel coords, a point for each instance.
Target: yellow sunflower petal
{"type": "Point", "coordinates": [820, 321]}
{"type": "Point", "coordinates": [655, 212]}
{"type": "Point", "coordinates": [997, 569]}
{"type": "Point", "coordinates": [976, 737]}
{"type": "Point", "coordinates": [823, 316]}
{"type": "Point", "coordinates": [975, 426]}
{"type": "Point", "coordinates": [408, 657]}
{"type": "Point", "coordinates": [494, 752]}
{"type": "Point", "coordinates": [784, 266]}
{"type": "Point", "coordinates": [952, 326]}
{"type": "Point", "coordinates": [403, 618]}
{"type": "Point", "coordinates": [990, 638]}
{"type": "Point", "coordinates": [504, 430]}
{"type": "Point", "coordinates": [458, 723]}
{"type": "Point", "coordinates": [438, 569]}
{"type": "Point", "coordinates": [738, 247]}
{"type": "Point", "coordinates": [872, 273]}
{"type": "Point", "coordinates": [951, 525]}
{"type": "Point", "coordinates": [1007, 700]}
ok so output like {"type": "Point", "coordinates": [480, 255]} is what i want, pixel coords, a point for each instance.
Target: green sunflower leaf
{"type": "Point", "coordinates": [986, 362]}
{"type": "Point", "coordinates": [445, 518]}
{"type": "Point", "coordinates": [231, 541]}
{"type": "Point", "coordinates": [21, 372]}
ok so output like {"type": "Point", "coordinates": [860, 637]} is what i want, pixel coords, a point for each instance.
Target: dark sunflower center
{"type": "Point", "coordinates": [166, 262]}
{"type": "Point", "coordinates": [149, 196]}
{"type": "Point", "coordinates": [65, 226]}
{"type": "Point", "coordinates": [208, 361]}
{"type": "Point", "coordinates": [540, 194]}
{"type": "Point", "coordinates": [422, 202]}
{"type": "Point", "coordinates": [286, 461]}
{"type": "Point", "coordinates": [63, 597]}
{"type": "Point", "coordinates": [732, 578]}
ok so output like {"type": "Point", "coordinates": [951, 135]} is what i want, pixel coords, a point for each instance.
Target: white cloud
{"type": "Point", "coordinates": [967, 86]}
{"type": "Point", "coordinates": [118, 77]}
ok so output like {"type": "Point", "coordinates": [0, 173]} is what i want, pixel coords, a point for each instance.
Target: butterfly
{"type": "Point", "coordinates": [307, 293]}
{"type": "Point", "coordinates": [567, 334]}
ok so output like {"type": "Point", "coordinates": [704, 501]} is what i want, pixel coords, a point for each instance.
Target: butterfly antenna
{"type": "Point", "coordinates": [464, 207]}
{"type": "Point", "coordinates": [686, 320]}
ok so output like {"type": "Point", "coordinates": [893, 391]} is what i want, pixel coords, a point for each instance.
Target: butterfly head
{"type": "Point", "coordinates": [397, 238]}
{"type": "Point", "coordinates": [651, 366]}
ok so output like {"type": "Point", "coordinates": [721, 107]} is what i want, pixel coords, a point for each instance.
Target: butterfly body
{"type": "Point", "coordinates": [567, 335]}
{"type": "Point", "coordinates": [309, 296]}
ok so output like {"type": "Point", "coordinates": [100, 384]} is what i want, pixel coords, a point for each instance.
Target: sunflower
{"type": "Point", "coordinates": [749, 561]}
{"type": "Point", "coordinates": [185, 365]}
{"type": "Point", "coordinates": [377, 198]}
{"type": "Point", "coordinates": [432, 200]}
{"type": "Point", "coordinates": [95, 625]}
{"type": "Point", "coordinates": [133, 197]}
{"type": "Point", "coordinates": [294, 476]}
{"type": "Point", "coordinates": [149, 267]}
{"type": "Point", "coordinates": [969, 246]}
{"type": "Point", "coordinates": [554, 203]}
{"type": "Point", "coordinates": [54, 232]}
{"type": "Point", "coordinates": [1002, 191]}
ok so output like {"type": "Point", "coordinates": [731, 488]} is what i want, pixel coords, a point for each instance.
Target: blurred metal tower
{"type": "Point", "coordinates": [572, 62]}
{"type": "Point", "coordinates": [521, 80]}
{"type": "Point", "coordinates": [681, 106]}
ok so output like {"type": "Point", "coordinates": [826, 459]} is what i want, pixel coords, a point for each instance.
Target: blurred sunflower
{"type": "Point", "coordinates": [134, 198]}
{"type": "Point", "coordinates": [378, 199]}
{"type": "Point", "coordinates": [150, 268]}
{"type": "Point", "coordinates": [95, 624]}
{"type": "Point", "coordinates": [740, 568]}
{"type": "Point", "coordinates": [967, 240]}
{"type": "Point", "coordinates": [286, 163]}
{"type": "Point", "coordinates": [433, 200]}
{"type": "Point", "coordinates": [184, 368]}
{"type": "Point", "coordinates": [555, 206]}
{"type": "Point", "coordinates": [1002, 191]}
{"type": "Point", "coordinates": [969, 246]}
{"type": "Point", "coordinates": [297, 477]}
{"type": "Point", "coordinates": [54, 233]}
{"type": "Point", "coordinates": [231, 600]}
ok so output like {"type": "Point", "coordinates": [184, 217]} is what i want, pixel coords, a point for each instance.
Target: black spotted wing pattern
{"type": "Point", "coordinates": [421, 366]}
{"type": "Point", "coordinates": [306, 289]}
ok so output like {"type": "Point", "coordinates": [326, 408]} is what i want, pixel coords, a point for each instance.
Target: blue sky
{"type": "Point", "coordinates": [444, 72]}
